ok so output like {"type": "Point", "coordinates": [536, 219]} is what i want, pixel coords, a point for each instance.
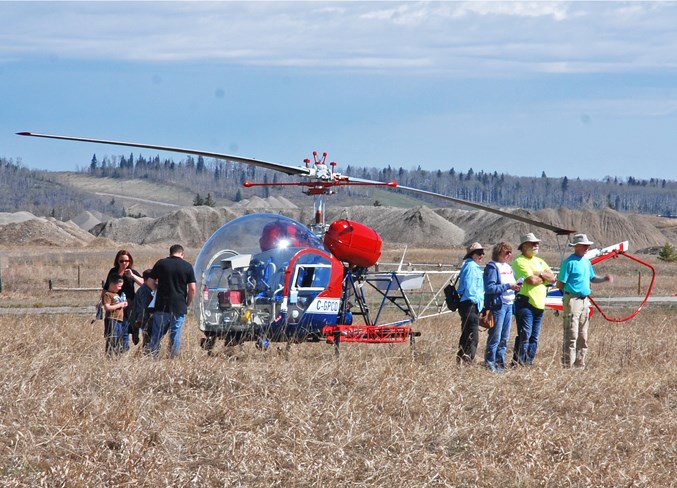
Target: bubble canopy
{"type": "Point", "coordinates": [254, 234]}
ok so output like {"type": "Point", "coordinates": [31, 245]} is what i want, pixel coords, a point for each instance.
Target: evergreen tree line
{"type": "Point", "coordinates": [216, 182]}
{"type": "Point", "coordinates": [22, 189]}
{"type": "Point", "coordinates": [223, 180]}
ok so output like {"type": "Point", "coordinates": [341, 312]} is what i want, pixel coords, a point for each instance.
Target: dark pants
{"type": "Point", "coordinates": [470, 319]}
{"type": "Point", "coordinates": [147, 329]}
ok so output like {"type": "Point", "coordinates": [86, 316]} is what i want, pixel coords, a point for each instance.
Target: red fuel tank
{"type": "Point", "coordinates": [353, 243]}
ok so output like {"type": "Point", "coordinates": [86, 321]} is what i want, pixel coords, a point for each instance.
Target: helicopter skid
{"type": "Point", "coordinates": [371, 334]}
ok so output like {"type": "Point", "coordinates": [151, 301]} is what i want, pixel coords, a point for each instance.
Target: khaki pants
{"type": "Point", "coordinates": [575, 323]}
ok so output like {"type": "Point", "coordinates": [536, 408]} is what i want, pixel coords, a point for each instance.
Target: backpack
{"type": "Point", "coordinates": [99, 314]}
{"type": "Point", "coordinates": [451, 296]}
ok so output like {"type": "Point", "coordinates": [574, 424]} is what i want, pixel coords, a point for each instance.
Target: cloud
{"type": "Point", "coordinates": [470, 39]}
{"type": "Point", "coordinates": [555, 10]}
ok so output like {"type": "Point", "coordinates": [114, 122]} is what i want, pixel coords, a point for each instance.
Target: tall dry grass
{"type": "Point", "coordinates": [376, 416]}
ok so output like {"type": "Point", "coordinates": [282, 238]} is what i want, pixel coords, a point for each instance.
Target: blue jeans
{"type": "Point", "coordinates": [528, 320]}
{"type": "Point", "coordinates": [124, 337]}
{"type": "Point", "coordinates": [164, 322]}
{"type": "Point", "coordinates": [112, 332]}
{"type": "Point", "coordinates": [497, 338]}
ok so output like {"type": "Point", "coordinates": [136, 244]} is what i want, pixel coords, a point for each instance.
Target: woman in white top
{"type": "Point", "coordinates": [499, 297]}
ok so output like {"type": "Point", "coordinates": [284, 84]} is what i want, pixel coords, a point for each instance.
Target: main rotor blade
{"type": "Point", "coordinates": [290, 170]}
{"type": "Point", "coordinates": [486, 208]}
{"type": "Point", "coordinates": [302, 171]}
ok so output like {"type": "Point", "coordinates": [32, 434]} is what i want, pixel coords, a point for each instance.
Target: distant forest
{"type": "Point", "coordinates": [36, 192]}
{"type": "Point", "coordinates": [224, 180]}
{"type": "Point", "coordinates": [22, 189]}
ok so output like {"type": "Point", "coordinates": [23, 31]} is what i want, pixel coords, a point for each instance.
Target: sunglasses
{"type": "Point", "coordinates": [479, 253]}
{"type": "Point", "coordinates": [123, 261]}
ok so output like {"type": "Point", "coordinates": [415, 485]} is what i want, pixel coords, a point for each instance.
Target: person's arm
{"type": "Point", "coordinates": [492, 280]}
{"type": "Point", "coordinates": [522, 269]}
{"type": "Point", "coordinates": [190, 294]}
{"type": "Point", "coordinates": [462, 281]}
{"type": "Point", "coordinates": [547, 276]}
{"type": "Point", "coordinates": [602, 279]}
{"type": "Point", "coordinates": [109, 307]}
{"type": "Point", "coordinates": [542, 278]}
{"type": "Point", "coordinates": [133, 274]}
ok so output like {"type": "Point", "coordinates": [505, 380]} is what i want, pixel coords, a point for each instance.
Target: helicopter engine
{"type": "Point", "coordinates": [353, 243]}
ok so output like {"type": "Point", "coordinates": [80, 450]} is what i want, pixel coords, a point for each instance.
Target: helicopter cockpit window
{"type": "Point", "coordinates": [309, 280]}
{"type": "Point", "coordinates": [312, 277]}
{"type": "Point", "coordinates": [214, 277]}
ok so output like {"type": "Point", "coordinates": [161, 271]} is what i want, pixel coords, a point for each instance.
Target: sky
{"type": "Point", "coordinates": [578, 89]}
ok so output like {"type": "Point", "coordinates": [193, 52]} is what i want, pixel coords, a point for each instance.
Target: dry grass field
{"type": "Point", "coordinates": [375, 416]}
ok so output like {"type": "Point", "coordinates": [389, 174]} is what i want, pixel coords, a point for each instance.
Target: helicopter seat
{"type": "Point", "coordinates": [230, 299]}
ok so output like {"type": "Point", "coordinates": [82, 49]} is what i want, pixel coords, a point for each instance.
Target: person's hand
{"type": "Point", "coordinates": [516, 286]}
{"type": "Point", "coordinates": [609, 278]}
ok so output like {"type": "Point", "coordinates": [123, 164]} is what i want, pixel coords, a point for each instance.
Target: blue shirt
{"type": "Point", "coordinates": [576, 273]}
{"type": "Point", "coordinates": [471, 283]}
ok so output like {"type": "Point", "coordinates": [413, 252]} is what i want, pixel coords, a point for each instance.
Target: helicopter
{"type": "Point", "coordinates": [269, 278]}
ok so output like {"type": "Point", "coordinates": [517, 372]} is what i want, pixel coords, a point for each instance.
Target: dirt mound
{"type": "Point", "coordinates": [15, 217]}
{"type": "Point", "coordinates": [264, 203]}
{"type": "Point", "coordinates": [420, 226]}
{"type": "Point", "coordinates": [44, 232]}
{"type": "Point", "coordinates": [101, 243]}
{"type": "Point", "coordinates": [190, 226]}
{"type": "Point", "coordinates": [285, 203]}
{"type": "Point", "coordinates": [414, 226]}
{"type": "Point", "coordinates": [417, 226]}
{"type": "Point", "coordinates": [126, 229]}
{"type": "Point", "coordinates": [86, 220]}
{"type": "Point", "coordinates": [604, 227]}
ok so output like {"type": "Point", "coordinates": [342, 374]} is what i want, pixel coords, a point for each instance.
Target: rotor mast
{"type": "Point", "coordinates": [318, 226]}
{"type": "Point", "coordinates": [321, 180]}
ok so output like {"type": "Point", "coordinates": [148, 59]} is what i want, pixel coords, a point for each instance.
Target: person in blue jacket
{"type": "Point", "coordinates": [499, 297]}
{"type": "Point", "coordinates": [471, 290]}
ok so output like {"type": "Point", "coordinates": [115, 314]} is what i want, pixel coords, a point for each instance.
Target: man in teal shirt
{"type": "Point", "coordinates": [574, 278]}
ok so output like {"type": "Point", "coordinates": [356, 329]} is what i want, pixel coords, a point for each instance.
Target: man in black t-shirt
{"type": "Point", "coordinates": [175, 289]}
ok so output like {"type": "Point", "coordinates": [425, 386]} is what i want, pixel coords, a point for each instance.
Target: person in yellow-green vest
{"type": "Point", "coordinates": [535, 274]}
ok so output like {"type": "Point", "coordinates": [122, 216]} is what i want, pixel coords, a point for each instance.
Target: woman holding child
{"type": "Point", "coordinates": [123, 266]}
